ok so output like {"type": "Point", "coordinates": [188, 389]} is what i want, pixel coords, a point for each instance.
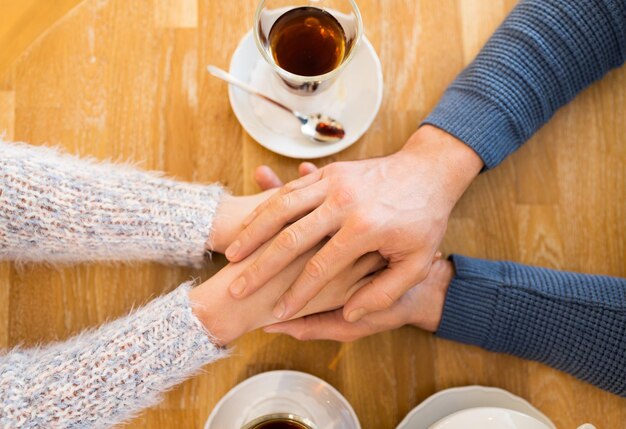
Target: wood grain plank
{"type": "Point", "coordinates": [7, 114]}
{"type": "Point", "coordinates": [7, 125]}
{"type": "Point", "coordinates": [176, 13]}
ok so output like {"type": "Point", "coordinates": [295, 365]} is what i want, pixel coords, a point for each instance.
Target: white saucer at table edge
{"type": "Point", "coordinates": [353, 99]}
{"type": "Point", "coordinates": [287, 392]}
{"type": "Point", "coordinates": [450, 401]}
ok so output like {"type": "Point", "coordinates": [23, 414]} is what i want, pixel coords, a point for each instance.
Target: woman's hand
{"type": "Point", "coordinates": [227, 318]}
{"type": "Point", "coordinates": [398, 205]}
{"type": "Point", "coordinates": [421, 306]}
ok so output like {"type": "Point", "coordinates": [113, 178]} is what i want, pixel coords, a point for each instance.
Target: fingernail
{"type": "Point", "coordinates": [279, 310]}
{"type": "Point", "coordinates": [232, 250]}
{"type": "Point", "coordinates": [238, 286]}
{"type": "Point", "coordinates": [356, 315]}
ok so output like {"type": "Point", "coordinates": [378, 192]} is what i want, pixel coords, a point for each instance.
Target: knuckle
{"type": "Point", "coordinates": [251, 276]}
{"type": "Point", "coordinates": [289, 187]}
{"type": "Point", "coordinates": [253, 271]}
{"type": "Point", "coordinates": [282, 203]}
{"type": "Point", "coordinates": [344, 197]}
{"type": "Point", "coordinates": [383, 300]}
{"type": "Point", "coordinates": [364, 224]}
{"type": "Point", "coordinates": [287, 239]}
{"type": "Point", "coordinates": [249, 233]}
{"type": "Point", "coordinates": [315, 268]}
{"type": "Point", "coordinates": [332, 169]}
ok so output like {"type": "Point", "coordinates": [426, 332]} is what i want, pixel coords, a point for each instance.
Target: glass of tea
{"type": "Point", "coordinates": [280, 421]}
{"type": "Point", "coordinates": [307, 42]}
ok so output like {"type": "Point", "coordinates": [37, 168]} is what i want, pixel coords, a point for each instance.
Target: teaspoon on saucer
{"type": "Point", "coordinates": [317, 127]}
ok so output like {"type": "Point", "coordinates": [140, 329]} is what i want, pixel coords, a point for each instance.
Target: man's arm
{"type": "Point", "coordinates": [572, 322]}
{"type": "Point", "coordinates": [544, 53]}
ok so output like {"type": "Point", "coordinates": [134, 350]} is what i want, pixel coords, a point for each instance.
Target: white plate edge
{"type": "Point", "coordinates": [489, 389]}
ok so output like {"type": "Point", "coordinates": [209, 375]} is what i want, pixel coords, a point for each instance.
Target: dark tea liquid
{"type": "Point", "coordinates": [280, 424]}
{"type": "Point", "coordinates": [307, 41]}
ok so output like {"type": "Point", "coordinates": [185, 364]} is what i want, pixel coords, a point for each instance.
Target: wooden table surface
{"type": "Point", "coordinates": [125, 80]}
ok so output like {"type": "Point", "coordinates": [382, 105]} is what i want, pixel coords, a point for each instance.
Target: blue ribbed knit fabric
{"type": "Point", "coordinates": [544, 53]}
{"type": "Point", "coordinates": [572, 322]}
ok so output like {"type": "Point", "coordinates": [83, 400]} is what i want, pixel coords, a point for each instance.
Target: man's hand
{"type": "Point", "coordinates": [397, 205]}
{"type": "Point", "coordinates": [233, 209]}
{"type": "Point", "coordinates": [421, 306]}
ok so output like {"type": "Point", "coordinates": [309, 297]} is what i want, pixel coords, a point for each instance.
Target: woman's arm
{"type": "Point", "coordinates": [106, 376]}
{"type": "Point", "coordinates": [55, 207]}
{"type": "Point", "coordinates": [544, 53]}
{"type": "Point", "coordinates": [572, 322]}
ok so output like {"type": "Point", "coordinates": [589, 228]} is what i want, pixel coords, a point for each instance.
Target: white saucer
{"type": "Point", "coordinates": [283, 392]}
{"type": "Point", "coordinates": [354, 99]}
{"type": "Point", "coordinates": [449, 401]}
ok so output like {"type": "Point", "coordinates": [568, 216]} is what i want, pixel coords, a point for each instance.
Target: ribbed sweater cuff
{"type": "Point", "coordinates": [470, 302]}
{"type": "Point", "coordinates": [478, 122]}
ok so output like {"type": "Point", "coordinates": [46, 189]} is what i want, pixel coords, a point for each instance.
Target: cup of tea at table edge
{"type": "Point", "coordinates": [280, 421]}
{"type": "Point", "coordinates": [307, 43]}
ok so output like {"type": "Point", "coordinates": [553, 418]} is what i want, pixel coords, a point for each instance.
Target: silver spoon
{"type": "Point", "coordinates": [318, 127]}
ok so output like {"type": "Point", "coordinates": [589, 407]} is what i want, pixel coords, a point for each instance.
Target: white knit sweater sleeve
{"type": "Point", "coordinates": [103, 377]}
{"type": "Point", "coordinates": [55, 207]}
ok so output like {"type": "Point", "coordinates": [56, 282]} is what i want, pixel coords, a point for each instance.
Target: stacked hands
{"type": "Point", "coordinates": [344, 251]}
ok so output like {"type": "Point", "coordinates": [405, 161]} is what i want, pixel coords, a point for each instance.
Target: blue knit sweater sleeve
{"type": "Point", "coordinates": [573, 322]}
{"type": "Point", "coordinates": [544, 53]}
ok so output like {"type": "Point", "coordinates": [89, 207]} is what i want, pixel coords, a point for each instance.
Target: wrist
{"type": "Point", "coordinates": [228, 221]}
{"type": "Point", "coordinates": [427, 309]}
{"type": "Point", "coordinates": [214, 308]}
{"type": "Point", "coordinates": [222, 228]}
{"type": "Point", "coordinates": [453, 161]}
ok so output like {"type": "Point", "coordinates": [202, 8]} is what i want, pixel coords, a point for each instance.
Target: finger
{"type": "Point", "coordinates": [295, 185]}
{"type": "Point", "coordinates": [281, 210]}
{"type": "Point", "coordinates": [337, 254]}
{"type": "Point", "coordinates": [266, 178]}
{"type": "Point", "coordinates": [328, 326]}
{"type": "Point", "coordinates": [367, 264]}
{"type": "Point", "coordinates": [332, 298]}
{"type": "Point", "coordinates": [290, 243]}
{"type": "Point", "coordinates": [332, 326]}
{"type": "Point", "coordinates": [306, 168]}
{"type": "Point", "coordinates": [384, 290]}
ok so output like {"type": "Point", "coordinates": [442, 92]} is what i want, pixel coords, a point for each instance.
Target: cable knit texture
{"type": "Point", "coordinates": [103, 377]}
{"type": "Point", "coordinates": [572, 322]}
{"type": "Point", "coordinates": [544, 53]}
{"type": "Point", "coordinates": [55, 207]}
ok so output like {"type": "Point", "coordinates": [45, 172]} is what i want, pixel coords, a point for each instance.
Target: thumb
{"type": "Point", "coordinates": [384, 290]}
